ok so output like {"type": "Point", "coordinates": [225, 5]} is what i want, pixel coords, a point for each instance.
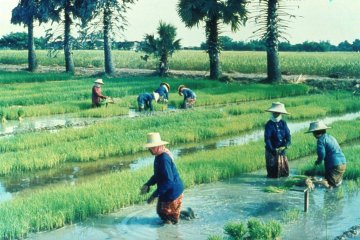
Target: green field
{"type": "Point", "coordinates": [222, 110]}
{"type": "Point", "coordinates": [346, 64]}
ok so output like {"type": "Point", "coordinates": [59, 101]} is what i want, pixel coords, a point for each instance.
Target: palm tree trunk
{"type": "Point", "coordinates": [212, 33]}
{"type": "Point", "coordinates": [69, 63]}
{"type": "Point", "coordinates": [163, 64]}
{"type": "Point", "coordinates": [273, 64]}
{"type": "Point", "coordinates": [32, 63]}
{"type": "Point", "coordinates": [109, 68]}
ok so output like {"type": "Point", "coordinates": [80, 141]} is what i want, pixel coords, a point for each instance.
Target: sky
{"type": "Point", "coordinates": [317, 20]}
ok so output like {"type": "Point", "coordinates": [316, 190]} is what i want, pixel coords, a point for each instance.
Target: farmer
{"type": "Point", "coordinates": [96, 93]}
{"type": "Point", "coordinates": [277, 139]}
{"type": "Point", "coordinates": [328, 150]}
{"type": "Point", "coordinates": [145, 100]}
{"type": "Point", "coordinates": [170, 188]}
{"type": "Point", "coordinates": [163, 91]}
{"type": "Point", "coordinates": [189, 96]}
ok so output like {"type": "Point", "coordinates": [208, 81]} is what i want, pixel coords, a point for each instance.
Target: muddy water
{"type": "Point", "coordinates": [238, 199]}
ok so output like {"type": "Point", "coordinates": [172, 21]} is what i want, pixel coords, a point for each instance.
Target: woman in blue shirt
{"type": "Point", "coordinates": [145, 100]}
{"type": "Point", "coordinates": [163, 91]}
{"type": "Point", "coordinates": [277, 138]}
{"type": "Point", "coordinates": [329, 151]}
{"type": "Point", "coordinates": [170, 187]}
{"type": "Point", "coordinates": [189, 96]}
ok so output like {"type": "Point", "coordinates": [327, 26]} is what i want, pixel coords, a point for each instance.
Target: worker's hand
{"type": "Point", "coordinates": [151, 199]}
{"type": "Point", "coordinates": [144, 189]}
{"type": "Point", "coordinates": [165, 100]}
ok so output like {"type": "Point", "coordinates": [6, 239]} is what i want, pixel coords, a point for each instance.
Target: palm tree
{"type": "Point", "coordinates": [272, 28]}
{"type": "Point", "coordinates": [111, 14]}
{"type": "Point", "coordinates": [163, 46]}
{"type": "Point", "coordinates": [213, 12]}
{"type": "Point", "coordinates": [26, 12]}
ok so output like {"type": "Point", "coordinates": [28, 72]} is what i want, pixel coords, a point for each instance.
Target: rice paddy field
{"type": "Point", "coordinates": [345, 64]}
{"type": "Point", "coordinates": [117, 133]}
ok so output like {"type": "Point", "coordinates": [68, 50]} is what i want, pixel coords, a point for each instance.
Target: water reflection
{"type": "Point", "coordinates": [72, 172]}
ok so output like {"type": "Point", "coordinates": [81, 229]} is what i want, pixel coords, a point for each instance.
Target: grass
{"type": "Point", "coordinates": [323, 64]}
{"type": "Point", "coordinates": [55, 206]}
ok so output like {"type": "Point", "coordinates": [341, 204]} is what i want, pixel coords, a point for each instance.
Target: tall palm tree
{"type": "Point", "coordinates": [271, 20]}
{"type": "Point", "coordinates": [112, 15]}
{"type": "Point", "coordinates": [26, 12]}
{"type": "Point", "coordinates": [213, 12]}
{"type": "Point", "coordinates": [163, 46]}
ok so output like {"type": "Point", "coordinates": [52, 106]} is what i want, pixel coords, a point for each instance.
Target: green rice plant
{"type": "Point", "coordinates": [260, 230]}
{"type": "Point", "coordinates": [66, 204]}
{"type": "Point", "coordinates": [273, 189]}
{"type": "Point", "coordinates": [236, 230]}
{"type": "Point", "coordinates": [291, 215]}
{"type": "Point", "coordinates": [215, 237]}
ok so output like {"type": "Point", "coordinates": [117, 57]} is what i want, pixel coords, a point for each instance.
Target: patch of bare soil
{"type": "Point", "coordinates": [317, 82]}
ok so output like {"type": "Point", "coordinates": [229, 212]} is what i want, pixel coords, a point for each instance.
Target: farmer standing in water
{"type": "Point", "coordinates": [277, 139]}
{"type": "Point", "coordinates": [170, 187]}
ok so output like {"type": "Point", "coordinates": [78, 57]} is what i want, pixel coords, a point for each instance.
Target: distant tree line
{"type": "Point", "coordinates": [18, 41]}
{"type": "Point", "coordinates": [227, 44]}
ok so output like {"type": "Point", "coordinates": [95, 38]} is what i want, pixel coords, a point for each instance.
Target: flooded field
{"type": "Point", "coordinates": [238, 199]}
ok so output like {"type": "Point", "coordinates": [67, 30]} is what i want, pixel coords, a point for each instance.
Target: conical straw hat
{"type": "Point", "coordinates": [317, 126]}
{"type": "Point", "coordinates": [99, 81]}
{"type": "Point", "coordinates": [154, 140]}
{"type": "Point", "coordinates": [277, 107]}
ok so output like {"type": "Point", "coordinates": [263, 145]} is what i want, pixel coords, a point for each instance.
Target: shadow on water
{"type": "Point", "coordinates": [72, 172]}
{"type": "Point", "coordinates": [215, 204]}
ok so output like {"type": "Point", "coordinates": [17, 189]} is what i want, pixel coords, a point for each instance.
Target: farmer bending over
{"type": "Point", "coordinates": [163, 91]}
{"type": "Point", "coordinates": [189, 96]}
{"type": "Point", "coordinates": [96, 93]}
{"type": "Point", "coordinates": [145, 100]}
{"type": "Point", "coordinates": [328, 150]}
{"type": "Point", "coordinates": [170, 188]}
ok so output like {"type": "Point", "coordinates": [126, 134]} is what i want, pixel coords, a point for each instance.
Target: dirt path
{"type": "Point", "coordinates": [320, 82]}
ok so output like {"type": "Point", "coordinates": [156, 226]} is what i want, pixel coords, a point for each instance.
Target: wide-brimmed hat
{"type": "Point", "coordinates": [180, 88]}
{"type": "Point", "coordinates": [99, 81]}
{"type": "Point", "coordinates": [166, 84]}
{"type": "Point", "coordinates": [277, 107]}
{"type": "Point", "coordinates": [154, 140]}
{"type": "Point", "coordinates": [317, 126]}
{"type": "Point", "coordinates": [156, 96]}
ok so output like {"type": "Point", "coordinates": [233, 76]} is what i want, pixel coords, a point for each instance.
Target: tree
{"type": "Point", "coordinates": [26, 12]}
{"type": "Point", "coordinates": [213, 12]}
{"type": "Point", "coordinates": [112, 15]}
{"type": "Point", "coordinates": [163, 46]}
{"type": "Point", "coordinates": [65, 12]}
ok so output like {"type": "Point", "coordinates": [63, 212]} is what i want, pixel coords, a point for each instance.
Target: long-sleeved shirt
{"type": "Point", "coordinates": [167, 178]}
{"type": "Point", "coordinates": [188, 93]}
{"type": "Point", "coordinates": [96, 95]}
{"type": "Point", "coordinates": [277, 134]}
{"type": "Point", "coordinates": [146, 100]}
{"type": "Point", "coordinates": [163, 92]}
{"type": "Point", "coordinates": [329, 150]}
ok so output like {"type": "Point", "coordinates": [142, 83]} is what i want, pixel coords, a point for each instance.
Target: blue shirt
{"type": "Point", "coordinates": [162, 91]}
{"type": "Point", "coordinates": [329, 150]}
{"type": "Point", "coordinates": [146, 99]}
{"type": "Point", "coordinates": [167, 178]}
{"type": "Point", "coordinates": [277, 134]}
{"type": "Point", "coordinates": [188, 93]}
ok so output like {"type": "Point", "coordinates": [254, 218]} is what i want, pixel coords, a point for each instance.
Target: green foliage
{"type": "Point", "coordinates": [236, 230]}
{"type": "Point", "coordinates": [259, 230]}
